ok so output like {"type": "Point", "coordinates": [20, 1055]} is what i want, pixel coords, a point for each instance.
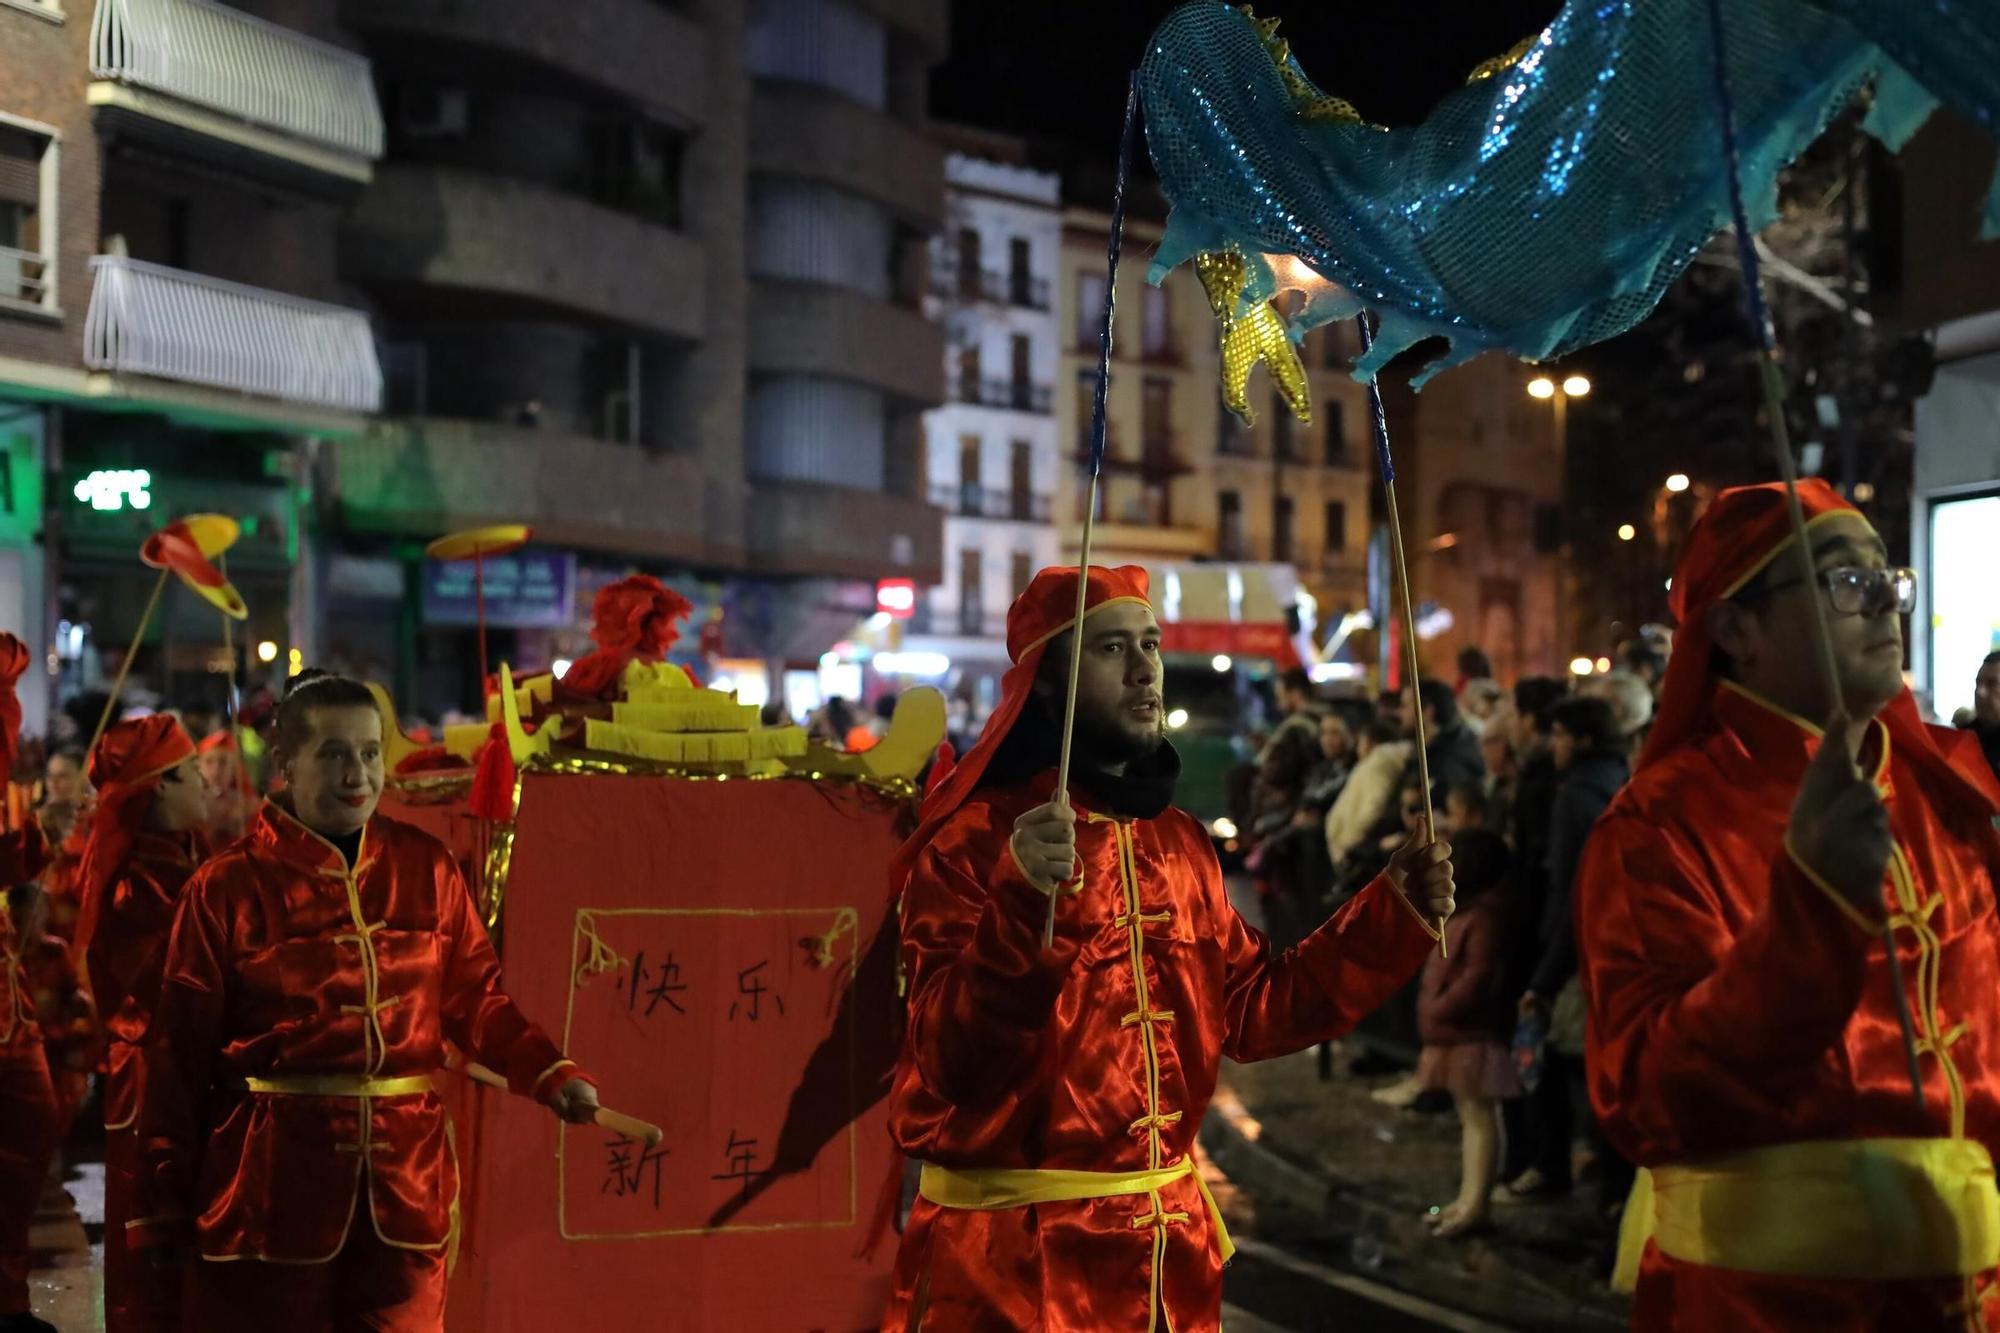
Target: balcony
{"type": "Point", "coordinates": [923, 21]}
{"type": "Point", "coordinates": [832, 531]}
{"type": "Point", "coordinates": [803, 329]}
{"type": "Point", "coordinates": [805, 134]}
{"type": "Point", "coordinates": [650, 54]}
{"type": "Point", "coordinates": [965, 501]}
{"type": "Point", "coordinates": [1145, 540]}
{"type": "Point", "coordinates": [1010, 395]}
{"type": "Point", "coordinates": [1159, 455]}
{"type": "Point", "coordinates": [990, 285]}
{"type": "Point", "coordinates": [223, 85]}
{"type": "Point", "coordinates": [146, 319]}
{"type": "Point", "coordinates": [422, 232]}
{"type": "Point", "coordinates": [425, 476]}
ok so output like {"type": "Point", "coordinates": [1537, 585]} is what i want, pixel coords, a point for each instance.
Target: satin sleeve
{"type": "Point", "coordinates": [1697, 1029]}
{"type": "Point", "coordinates": [981, 987]}
{"type": "Point", "coordinates": [179, 1056]}
{"type": "Point", "coordinates": [1318, 990]}
{"type": "Point", "coordinates": [479, 1017]}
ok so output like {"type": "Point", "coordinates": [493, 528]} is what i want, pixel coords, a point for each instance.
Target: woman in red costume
{"type": "Point", "coordinates": [1733, 908]}
{"type": "Point", "coordinates": [144, 842]}
{"type": "Point", "coordinates": [316, 969]}
{"type": "Point", "coordinates": [28, 1114]}
{"type": "Point", "coordinates": [1053, 1094]}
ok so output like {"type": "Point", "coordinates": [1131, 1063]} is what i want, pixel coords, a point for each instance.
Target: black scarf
{"type": "Point", "coordinates": [1143, 791]}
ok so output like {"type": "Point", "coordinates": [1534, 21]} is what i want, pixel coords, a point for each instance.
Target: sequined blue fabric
{"type": "Point", "coordinates": [1549, 206]}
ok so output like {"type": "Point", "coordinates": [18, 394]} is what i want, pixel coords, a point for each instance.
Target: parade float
{"type": "Point", "coordinates": [699, 901]}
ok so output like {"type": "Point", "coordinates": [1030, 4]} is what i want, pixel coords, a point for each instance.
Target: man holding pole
{"type": "Point", "coordinates": [1053, 1091]}
{"type": "Point", "coordinates": [289, 1127]}
{"type": "Point", "coordinates": [1733, 910]}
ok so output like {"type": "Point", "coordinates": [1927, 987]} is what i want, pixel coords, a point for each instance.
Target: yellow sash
{"type": "Point", "coordinates": [1016, 1188]}
{"type": "Point", "coordinates": [341, 1085]}
{"type": "Point", "coordinates": [1869, 1209]}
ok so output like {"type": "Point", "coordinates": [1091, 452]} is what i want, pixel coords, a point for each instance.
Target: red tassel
{"type": "Point", "coordinates": [493, 778]}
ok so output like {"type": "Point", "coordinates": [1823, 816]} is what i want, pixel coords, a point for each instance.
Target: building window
{"type": "Point", "coordinates": [969, 371]}
{"type": "Point", "coordinates": [635, 167]}
{"type": "Point", "coordinates": [1089, 308]}
{"type": "Point", "coordinates": [1021, 276]}
{"type": "Point", "coordinates": [971, 613]}
{"type": "Point", "coordinates": [968, 263]}
{"type": "Point", "coordinates": [1336, 527]}
{"type": "Point", "coordinates": [1283, 443]}
{"type": "Point", "coordinates": [1232, 437]}
{"type": "Point", "coordinates": [1156, 325]}
{"type": "Point", "coordinates": [1333, 413]}
{"type": "Point", "coordinates": [1021, 494]}
{"type": "Point", "coordinates": [1023, 387]}
{"type": "Point", "coordinates": [1023, 571]}
{"type": "Point", "coordinates": [1156, 423]}
{"type": "Point", "coordinates": [27, 216]}
{"type": "Point", "coordinates": [971, 499]}
{"type": "Point", "coordinates": [1281, 528]}
{"type": "Point", "coordinates": [1229, 523]}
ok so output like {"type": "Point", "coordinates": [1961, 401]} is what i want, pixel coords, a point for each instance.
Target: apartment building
{"type": "Point", "coordinates": [645, 275]}
{"type": "Point", "coordinates": [991, 456]}
{"type": "Point", "coordinates": [174, 332]}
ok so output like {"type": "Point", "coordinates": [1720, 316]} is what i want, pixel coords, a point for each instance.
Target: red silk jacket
{"type": "Point", "coordinates": [284, 965]}
{"type": "Point", "coordinates": [1098, 1054]}
{"type": "Point", "coordinates": [1734, 1004]}
{"type": "Point", "coordinates": [23, 853]}
{"type": "Point", "coordinates": [127, 953]}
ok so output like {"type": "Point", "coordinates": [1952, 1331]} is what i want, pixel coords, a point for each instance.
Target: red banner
{"type": "Point", "coordinates": [1232, 638]}
{"type": "Point", "coordinates": [720, 956]}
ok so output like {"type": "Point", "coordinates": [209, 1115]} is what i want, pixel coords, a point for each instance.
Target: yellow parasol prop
{"type": "Point", "coordinates": [477, 545]}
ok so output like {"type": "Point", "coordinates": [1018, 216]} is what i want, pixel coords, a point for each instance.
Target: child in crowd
{"type": "Point", "coordinates": [1460, 1016]}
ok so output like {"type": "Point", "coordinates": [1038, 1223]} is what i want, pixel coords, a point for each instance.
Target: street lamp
{"type": "Point", "coordinates": [1626, 532]}
{"type": "Point", "coordinates": [1541, 387]}
{"type": "Point", "coordinates": [1576, 386]}
{"type": "Point", "coordinates": [1677, 483]}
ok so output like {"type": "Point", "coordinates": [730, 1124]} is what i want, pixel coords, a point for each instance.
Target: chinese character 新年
{"type": "Point", "coordinates": [625, 1173]}
{"type": "Point", "coordinates": [742, 1157]}
{"type": "Point", "coordinates": [749, 985]}
{"type": "Point", "coordinates": [654, 985]}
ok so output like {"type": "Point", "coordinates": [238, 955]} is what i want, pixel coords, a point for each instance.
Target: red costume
{"type": "Point", "coordinates": [27, 1103]}
{"type": "Point", "coordinates": [1743, 1040]}
{"type": "Point", "coordinates": [1074, 1078]}
{"type": "Point", "coordinates": [288, 1115]}
{"type": "Point", "coordinates": [129, 883]}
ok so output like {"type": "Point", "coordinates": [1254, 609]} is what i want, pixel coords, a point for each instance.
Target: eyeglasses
{"type": "Point", "coordinates": [1854, 591]}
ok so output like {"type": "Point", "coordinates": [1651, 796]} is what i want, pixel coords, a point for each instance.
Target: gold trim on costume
{"type": "Point", "coordinates": [340, 1085]}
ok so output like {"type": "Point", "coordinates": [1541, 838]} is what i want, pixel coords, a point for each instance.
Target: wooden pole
{"type": "Point", "coordinates": [1401, 565]}
{"type": "Point", "coordinates": [1096, 461]}
{"type": "Point", "coordinates": [616, 1121]}
{"type": "Point", "coordinates": [1781, 445]}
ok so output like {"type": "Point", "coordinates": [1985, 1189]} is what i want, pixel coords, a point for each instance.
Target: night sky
{"type": "Point", "coordinates": [1053, 71]}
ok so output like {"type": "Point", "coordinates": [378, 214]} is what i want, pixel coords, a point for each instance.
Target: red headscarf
{"type": "Point", "coordinates": [23, 851]}
{"type": "Point", "coordinates": [1039, 616]}
{"type": "Point", "coordinates": [125, 768]}
{"type": "Point", "coordinates": [1743, 531]}
{"type": "Point", "coordinates": [226, 740]}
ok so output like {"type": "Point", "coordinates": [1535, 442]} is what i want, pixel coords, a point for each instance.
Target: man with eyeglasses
{"type": "Point", "coordinates": [1733, 910]}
